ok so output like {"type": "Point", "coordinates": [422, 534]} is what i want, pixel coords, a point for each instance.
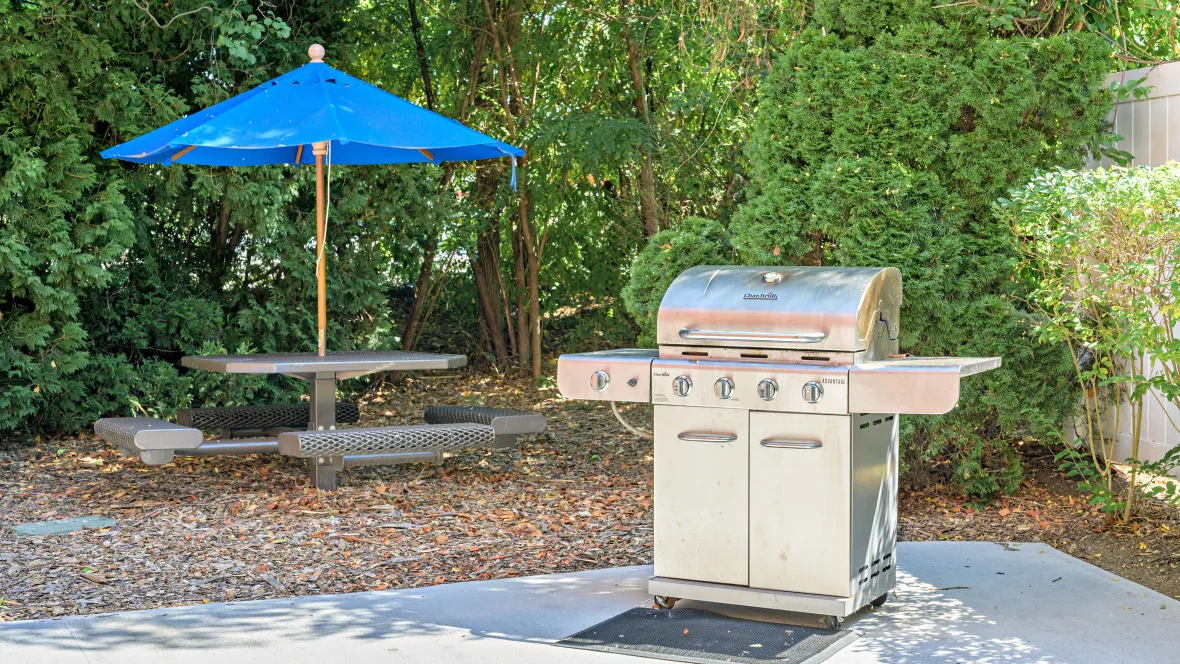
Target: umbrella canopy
{"type": "Point", "coordinates": [305, 116]}
{"type": "Point", "coordinates": [274, 123]}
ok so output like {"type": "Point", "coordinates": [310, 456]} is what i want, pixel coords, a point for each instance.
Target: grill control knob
{"type": "Point", "coordinates": [599, 380]}
{"type": "Point", "coordinates": [768, 389]}
{"type": "Point", "coordinates": [723, 388]}
{"type": "Point", "coordinates": [681, 386]}
{"type": "Point", "coordinates": [812, 391]}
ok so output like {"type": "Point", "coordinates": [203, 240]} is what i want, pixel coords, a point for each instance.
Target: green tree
{"type": "Point", "coordinates": [113, 271]}
{"type": "Point", "coordinates": [884, 134]}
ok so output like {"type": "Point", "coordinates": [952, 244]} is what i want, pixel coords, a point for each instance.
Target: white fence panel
{"type": "Point", "coordinates": [1150, 128]}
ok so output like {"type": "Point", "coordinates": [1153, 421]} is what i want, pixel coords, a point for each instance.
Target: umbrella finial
{"type": "Point", "coordinates": [316, 53]}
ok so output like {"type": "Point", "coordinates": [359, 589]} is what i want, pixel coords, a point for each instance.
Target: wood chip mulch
{"type": "Point", "coordinates": [210, 529]}
{"type": "Point", "coordinates": [577, 497]}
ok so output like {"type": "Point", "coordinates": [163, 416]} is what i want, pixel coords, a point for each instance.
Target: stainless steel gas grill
{"type": "Point", "coordinates": [777, 392]}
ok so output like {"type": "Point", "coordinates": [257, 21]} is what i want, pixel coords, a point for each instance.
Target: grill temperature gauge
{"type": "Point", "coordinates": [768, 389]}
{"type": "Point", "coordinates": [599, 380]}
{"type": "Point", "coordinates": [681, 386]}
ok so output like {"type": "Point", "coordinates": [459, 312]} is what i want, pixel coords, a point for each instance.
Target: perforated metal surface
{"type": "Point", "coordinates": [259, 417]}
{"type": "Point", "coordinates": [142, 433]}
{"type": "Point", "coordinates": [385, 439]}
{"type": "Point", "coordinates": [692, 635]}
{"type": "Point", "coordinates": [459, 414]}
{"type": "Point", "coordinates": [503, 420]}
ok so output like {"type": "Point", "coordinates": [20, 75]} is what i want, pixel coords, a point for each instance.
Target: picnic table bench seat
{"type": "Point", "coordinates": [327, 450]}
{"type": "Point", "coordinates": [446, 428]}
{"type": "Point", "coordinates": [241, 419]}
{"type": "Point", "coordinates": [154, 441]}
{"type": "Point", "coordinates": [508, 424]}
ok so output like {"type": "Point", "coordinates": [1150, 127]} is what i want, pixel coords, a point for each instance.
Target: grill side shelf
{"type": "Point", "coordinates": [612, 375]}
{"type": "Point", "coordinates": [911, 385]}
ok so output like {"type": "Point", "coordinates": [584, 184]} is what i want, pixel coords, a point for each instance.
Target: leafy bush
{"type": "Point", "coordinates": [663, 258]}
{"type": "Point", "coordinates": [1100, 252]}
{"type": "Point", "coordinates": [884, 134]}
{"type": "Point", "coordinates": [111, 272]}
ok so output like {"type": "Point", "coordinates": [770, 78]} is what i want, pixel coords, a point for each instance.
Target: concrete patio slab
{"type": "Point", "coordinates": [956, 602]}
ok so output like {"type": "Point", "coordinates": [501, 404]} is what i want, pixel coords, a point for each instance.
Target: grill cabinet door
{"type": "Point", "coordinates": [701, 494]}
{"type": "Point", "coordinates": [800, 495]}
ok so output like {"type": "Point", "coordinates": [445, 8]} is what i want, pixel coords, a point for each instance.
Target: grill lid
{"type": "Point", "coordinates": [833, 309]}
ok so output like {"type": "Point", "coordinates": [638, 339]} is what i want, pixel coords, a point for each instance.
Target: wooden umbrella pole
{"type": "Point", "coordinates": [321, 269]}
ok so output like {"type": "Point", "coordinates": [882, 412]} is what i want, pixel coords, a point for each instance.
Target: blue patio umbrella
{"type": "Point", "coordinates": [308, 115]}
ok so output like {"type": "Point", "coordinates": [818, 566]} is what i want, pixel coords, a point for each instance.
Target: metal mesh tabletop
{"type": "Point", "coordinates": [345, 364]}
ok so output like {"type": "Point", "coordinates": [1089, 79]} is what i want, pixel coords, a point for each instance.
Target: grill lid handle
{"type": "Point", "coordinates": [766, 337]}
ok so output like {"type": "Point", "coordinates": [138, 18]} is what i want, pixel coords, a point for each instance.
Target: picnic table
{"type": "Point", "coordinates": [321, 372]}
{"type": "Point", "coordinates": [309, 429]}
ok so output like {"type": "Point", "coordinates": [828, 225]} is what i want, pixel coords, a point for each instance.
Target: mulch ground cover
{"type": "Point", "coordinates": [577, 497]}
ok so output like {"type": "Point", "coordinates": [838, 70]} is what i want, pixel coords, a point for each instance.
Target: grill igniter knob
{"type": "Point", "coordinates": [681, 386]}
{"type": "Point", "coordinates": [599, 380]}
{"type": "Point", "coordinates": [812, 391]}
{"type": "Point", "coordinates": [768, 389]}
{"type": "Point", "coordinates": [723, 388]}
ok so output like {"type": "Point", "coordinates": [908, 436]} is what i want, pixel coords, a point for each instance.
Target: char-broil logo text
{"type": "Point", "coordinates": [768, 295]}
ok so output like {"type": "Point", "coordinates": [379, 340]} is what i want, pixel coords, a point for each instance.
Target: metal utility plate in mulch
{"type": "Point", "coordinates": [692, 635]}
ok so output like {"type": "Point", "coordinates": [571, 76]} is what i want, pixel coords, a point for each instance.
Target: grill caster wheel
{"type": "Point", "coordinates": [663, 602]}
{"type": "Point", "coordinates": [833, 622]}
{"type": "Point", "coordinates": [880, 601]}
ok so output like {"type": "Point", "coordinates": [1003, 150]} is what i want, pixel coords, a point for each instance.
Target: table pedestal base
{"type": "Point", "coordinates": [323, 473]}
{"type": "Point", "coordinates": [323, 418]}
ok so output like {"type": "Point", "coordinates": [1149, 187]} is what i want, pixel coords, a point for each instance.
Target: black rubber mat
{"type": "Point", "coordinates": [691, 635]}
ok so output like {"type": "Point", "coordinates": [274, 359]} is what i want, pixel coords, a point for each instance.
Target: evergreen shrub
{"type": "Point", "coordinates": [884, 135]}
{"type": "Point", "coordinates": [663, 258]}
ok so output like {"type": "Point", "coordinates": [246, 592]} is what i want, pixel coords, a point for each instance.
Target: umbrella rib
{"type": "Point", "coordinates": [332, 111]}
{"type": "Point", "coordinates": [183, 152]}
{"type": "Point", "coordinates": [299, 155]}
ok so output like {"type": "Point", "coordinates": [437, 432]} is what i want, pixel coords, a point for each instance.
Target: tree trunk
{"type": "Point", "coordinates": [533, 259]}
{"type": "Point", "coordinates": [516, 111]}
{"type": "Point", "coordinates": [219, 236]}
{"type": "Point", "coordinates": [524, 346]}
{"type": "Point", "coordinates": [225, 242]}
{"type": "Point", "coordinates": [416, 29]}
{"type": "Point", "coordinates": [647, 180]}
{"type": "Point", "coordinates": [485, 270]}
{"type": "Point", "coordinates": [412, 332]}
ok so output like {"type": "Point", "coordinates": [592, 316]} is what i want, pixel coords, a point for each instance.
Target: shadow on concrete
{"type": "Point", "coordinates": [532, 609]}
{"type": "Point", "coordinates": [919, 624]}
{"type": "Point", "coordinates": [955, 602]}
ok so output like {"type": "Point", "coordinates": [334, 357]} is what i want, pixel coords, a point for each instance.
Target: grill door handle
{"type": "Point", "coordinates": [707, 437]}
{"type": "Point", "coordinates": [792, 444]}
{"type": "Point", "coordinates": [767, 337]}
